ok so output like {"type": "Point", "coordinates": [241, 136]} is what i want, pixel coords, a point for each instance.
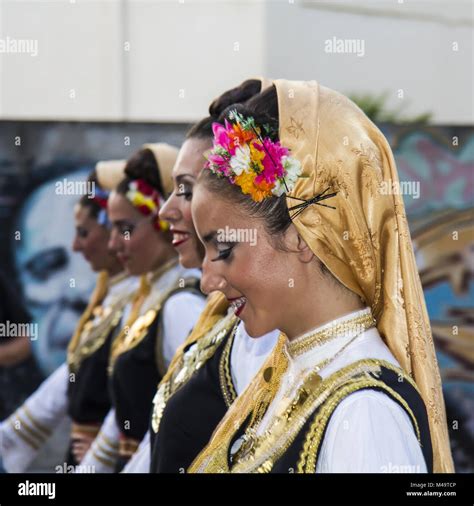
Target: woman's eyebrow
{"type": "Point", "coordinates": [208, 237]}
{"type": "Point", "coordinates": [122, 222]}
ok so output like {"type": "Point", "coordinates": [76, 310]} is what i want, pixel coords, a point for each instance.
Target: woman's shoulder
{"type": "Point", "coordinates": [369, 432]}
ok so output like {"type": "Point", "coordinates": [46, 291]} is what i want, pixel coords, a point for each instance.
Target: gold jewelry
{"type": "Point", "coordinates": [95, 331]}
{"type": "Point", "coordinates": [191, 361]}
{"type": "Point", "coordinates": [306, 342]}
{"type": "Point", "coordinates": [244, 447]}
{"type": "Point", "coordinates": [136, 326]}
{"type": "Point", "coordinates": [225, 375]}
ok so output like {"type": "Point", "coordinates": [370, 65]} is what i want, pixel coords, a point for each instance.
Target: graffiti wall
{"type": "Point", "coordinates": [441, 216]}
{"type": "Point", "coordinates": [436, 169]}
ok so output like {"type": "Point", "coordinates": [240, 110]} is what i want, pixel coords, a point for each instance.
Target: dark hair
{"type": "Point", "coordinates": [237, 95]}
{"type": "Point", "coordinates": [91, 204]}
{"type": "Point", "coordinates": [273, 210]}
{"type": "Point", "coordinates": [142, 165]}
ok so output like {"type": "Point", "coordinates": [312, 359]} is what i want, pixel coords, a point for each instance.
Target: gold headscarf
{"type": "Point", "coordinates": [165, 156]}
{"type": "Point", "coordinates": [365, 242]}
{"type": "Point", "coordinates": [265, 83]}
{"type": "Point", "coordinates": [110, 173]}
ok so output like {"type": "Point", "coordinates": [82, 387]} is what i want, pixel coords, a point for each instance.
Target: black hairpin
{"type": "Point", "coordinates": [313, 200]}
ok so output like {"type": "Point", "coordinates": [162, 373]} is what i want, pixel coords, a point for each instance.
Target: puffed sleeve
{"type": "Point", "coordinates": [26, 431]}
{"type": "Point", "coordinates": [370, 433]}
{"type": "Point", "coordinates": [180, 313]}
{"type": "Point", "coordinates": [103, 453]}
{"type": "Point", "coordinates": [140, 460]}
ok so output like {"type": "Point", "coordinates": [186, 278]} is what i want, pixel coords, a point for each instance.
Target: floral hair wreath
{"type": "Point", "coordinates": [259, 166]}
{"type": "Point", "coordinates": [101, 197]}
{"type": "Point", "coordinates": [147, 200]}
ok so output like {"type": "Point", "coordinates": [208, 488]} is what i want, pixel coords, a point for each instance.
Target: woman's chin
{"type": "Point", "coordinates": [190, 260]}
{"type": "Point", "coordinates": [133, 270]}
{"type": "Point", "coordinates": [254, 328]}
{"type": "Point", "coordinates": [188, 254]}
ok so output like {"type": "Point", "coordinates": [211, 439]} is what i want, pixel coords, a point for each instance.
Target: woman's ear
{"type": "Point", "coordinates": [295, 243]}
{"type": "Point", "coordinates": [304, 251]}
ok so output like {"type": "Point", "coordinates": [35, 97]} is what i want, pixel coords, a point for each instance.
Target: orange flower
{"type": "Point", "coordinates": [239, 137]}
{"type": "Point", "coordinates": [259, 191]}
{"type": "Point", "coordinates": [245, 181]}
{"type": "Point", "coordinates": [256, 155]}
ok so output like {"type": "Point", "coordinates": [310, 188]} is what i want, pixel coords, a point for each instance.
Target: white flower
{"type": "Point", "coordinates": [293, 169]}
{"type": "Point", "coordinates": [240, 162]}
{"type": "Point", "coordinates": [278, 188]}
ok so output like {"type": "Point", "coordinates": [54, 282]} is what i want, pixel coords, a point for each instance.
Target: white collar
{"type": "Point", "coordinates": [255, 345]}
{"type": "Point", "coordinates": [326, 349]}
{"type": "Point", "coordinates": [125, 283]}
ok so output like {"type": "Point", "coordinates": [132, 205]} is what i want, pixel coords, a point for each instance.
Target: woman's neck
{"type": "Point", "coordinates": [115, 269]}
{"type": "Point", "coordinates": [165, 258]}
{"type": "Point", "coordinates": [320, 301]}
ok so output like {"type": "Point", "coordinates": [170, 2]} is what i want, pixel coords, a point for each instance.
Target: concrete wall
{"type": "Point", "coordinates": [164, 60]}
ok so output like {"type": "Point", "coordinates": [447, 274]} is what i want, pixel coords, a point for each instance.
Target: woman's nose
{"type": "Point", "coordinates": [170, 210]}
{"type": "Point", "coordinates": [76, 244]}
{"type": "Point", "coordinates": [210, 279]}
{"type": "Point", "coordinates": [114, 240]}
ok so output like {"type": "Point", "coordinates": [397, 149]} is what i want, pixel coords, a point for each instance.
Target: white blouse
{"type": "Point", "coordinates": [368, 432]}
{"type": "Point", "coordinates": [246, 358]}
{"type": "Point", "coordinates": [180, 313]}
{"type": "Point", "coordinates": [248, 355]}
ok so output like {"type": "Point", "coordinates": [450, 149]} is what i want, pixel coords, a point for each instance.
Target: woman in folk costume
{"type": "Point", "coordinates": [164, 309]}
{"type": "Point", "coordinates": [68, 390]}
{"type": "Point", "coordinates": [89, 348]}
{"type": "Point", "coordinates": [218, 359]}
{"type": "Point", "coordinates": [353, 385]}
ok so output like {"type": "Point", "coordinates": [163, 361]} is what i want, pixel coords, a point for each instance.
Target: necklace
{"type": "Point", "coordinates": [244, 448]}
{"type": "Point", "coordinates": [306, 342]}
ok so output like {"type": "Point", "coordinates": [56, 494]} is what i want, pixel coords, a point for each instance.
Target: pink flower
{"type": "Point", "coordinates": [220, 136]}
{"type": "Point", "coordinates": [272, 167]}
{"type": "Point", "coordinates": [220, 163]}
{"type": "Point", "coordinates": [224, 136]}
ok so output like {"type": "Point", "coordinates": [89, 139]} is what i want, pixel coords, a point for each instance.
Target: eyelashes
{"type": "Point", "coordinates": [82, 233]}
{"type": "Point", "coordinates": [223, 254]}
{"type": "Point", "coordinates": [187, 195]}
{"type": "Point", "coordinates": [184, 189]}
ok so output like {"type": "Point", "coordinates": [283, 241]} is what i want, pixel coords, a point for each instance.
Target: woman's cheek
{"type": "Point", "coordinates": [186, 213]}
{"type": "Point", "coordinates": [127, 243]}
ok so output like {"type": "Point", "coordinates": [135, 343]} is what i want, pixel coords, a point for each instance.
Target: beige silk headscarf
{"type": "Point", "coordinates": [110, 173]}
{"type": "Point", "coordinates": [165, 156]}
{"type": "Point", "coordinates": [365, 242]}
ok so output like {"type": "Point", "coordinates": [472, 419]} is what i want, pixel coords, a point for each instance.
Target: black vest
{"type": "Point", "coordinates": [192, 413]}
{"type": "Point", "coordinates": [302, 454]}
{"type": "Point", "coordinates": [88, 396]}
{"type": "Point", "coordinates": [136, 374]}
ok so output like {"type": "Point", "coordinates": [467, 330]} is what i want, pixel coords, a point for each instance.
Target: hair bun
{"type": "Point", "coordinates": [236, 95]}
{"type": "Point", "coordinates": [142, 165]}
